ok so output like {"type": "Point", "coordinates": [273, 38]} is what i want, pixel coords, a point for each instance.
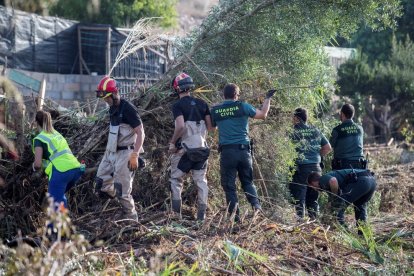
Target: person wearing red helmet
{"type": "Point", "coordinates": [192, 120]}
{"type": "Point", "coordinates": [125, 139]}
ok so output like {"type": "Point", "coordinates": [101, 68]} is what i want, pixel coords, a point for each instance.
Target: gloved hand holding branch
{"type": "Point", "coordinates": [270, 93]}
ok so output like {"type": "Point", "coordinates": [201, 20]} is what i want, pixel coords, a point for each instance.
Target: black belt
{"type": "Point", "coordinates": [349, 160]}
{"type": "Point", "coordinates": [308, 165]}
{"type": "Point", "coordinates": [235, 146]}
{"type": "Point", "coordinates": [125, 147]}
{"type": "Point", "coordinates": [366, 173]}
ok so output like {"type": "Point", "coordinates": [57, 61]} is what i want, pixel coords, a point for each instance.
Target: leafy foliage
{"type": "Point", "coordinates": [34, 6]}
{"type": "Point", "coordinates": [260, 44]}
{"type": "Point", "coordinates": [377, 44]}
{"type": "Point", "coordinates": [389, 83]}
{"type": "Point", "coordinates": [380, 250]}
{"type": "Point", "coordinates": [117, 13]}
{"type": "Point", "coordinates": [283, 39]}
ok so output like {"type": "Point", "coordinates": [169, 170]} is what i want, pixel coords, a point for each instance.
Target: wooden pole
{"type": "Point", "coordinates": [80, 50]}
{"type": "Point", "coordinates": [261, 179]}
{"type": "Point", "coordinates": [42, 93]}
{"type": "Point", "coordinates": [108, 51]}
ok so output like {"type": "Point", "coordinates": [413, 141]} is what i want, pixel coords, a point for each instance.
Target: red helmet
{"type": "Point", "coordinates": [106, 87]}
{"type": "Point", "coordinates": [182, 83]}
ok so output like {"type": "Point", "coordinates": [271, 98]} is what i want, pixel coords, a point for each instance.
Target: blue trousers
{"type": "Point", "coordinates": [61, 182]}
{"type": "Point", "coordinates": [235, 161]}
{"type": "Point", "coordinates": [302, 195]}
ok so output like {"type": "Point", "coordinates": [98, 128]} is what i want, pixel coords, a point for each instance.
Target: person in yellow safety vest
{"type": "Point", "coordinates": [53, 154]}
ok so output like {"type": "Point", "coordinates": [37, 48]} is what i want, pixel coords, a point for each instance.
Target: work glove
{"type": "Point", "coordinates": [36, 175]}
{"type": "Point", "coordinates": [133, 161]}
{"type": "Point", "coordinates": [270, 93]}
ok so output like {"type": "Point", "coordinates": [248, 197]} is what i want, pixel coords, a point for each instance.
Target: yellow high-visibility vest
{"type": "Point", "coordinates": [61, 156]}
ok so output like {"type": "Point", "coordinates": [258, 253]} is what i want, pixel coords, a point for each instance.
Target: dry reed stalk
{"type": "Point", "coordinates": [139, 37]}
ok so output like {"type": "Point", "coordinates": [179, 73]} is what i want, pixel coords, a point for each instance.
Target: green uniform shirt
{"type": "Point", "coordinates": [339, 175]}
{"type": "Point", "coordinates": [347, 141]}
{"type": "Point", "coordinates": [308, 140]}
{"type": "Point", "coordinates": [232, 119]}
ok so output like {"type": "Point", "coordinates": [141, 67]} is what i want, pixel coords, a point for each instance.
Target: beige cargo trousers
{"type": "Point", "coordinates": [194, 137]}
{"type": "Point", "coordinates": [177, 180]}
{"type": "Point", "coordinates": [113, 172]}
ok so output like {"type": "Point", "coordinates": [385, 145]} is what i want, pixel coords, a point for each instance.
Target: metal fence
{"type": "Point", "coordinates": [99, 46]}
{"type": "Point", "coordinates": [54, 45]}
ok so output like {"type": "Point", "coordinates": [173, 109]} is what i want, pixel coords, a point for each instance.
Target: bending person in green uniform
{"type": "Point", "coordinates": [350, 186]}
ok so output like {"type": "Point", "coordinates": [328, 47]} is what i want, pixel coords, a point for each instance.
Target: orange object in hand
{"type": "Point", "coordinates": [133, 161]}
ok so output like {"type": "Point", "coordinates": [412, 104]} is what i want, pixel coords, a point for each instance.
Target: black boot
{"type": "Point", "coordinates": [201, 212]}
{"type": "Point", "coordinates": [176, 205]}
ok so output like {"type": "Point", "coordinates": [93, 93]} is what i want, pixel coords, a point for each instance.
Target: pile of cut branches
{"type": "Point", "coordinates": [258, 44]}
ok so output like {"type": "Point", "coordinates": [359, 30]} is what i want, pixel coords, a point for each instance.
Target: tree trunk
{"type": "Point", "coordinates": [382, 117]}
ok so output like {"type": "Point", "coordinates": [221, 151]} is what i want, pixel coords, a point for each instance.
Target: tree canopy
{"type": "Point", "coordinates": [120, 13]}
{"type": "Point", "coordinates": [386, 89]}
{"type": "Point", "coordinates": [259, 44]}
{"type": "Point", "coordinates": [278, 43]}
{"type": "Point", "coordinates": [376, 44]}
{"type": "Point", "coordinates": [382, 72]}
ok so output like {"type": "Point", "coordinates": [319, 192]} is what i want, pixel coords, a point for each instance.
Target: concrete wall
{"type": "Point", "coordinates": [63, 89]}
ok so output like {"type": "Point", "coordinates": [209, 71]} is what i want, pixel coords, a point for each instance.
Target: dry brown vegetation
{"type": "Point", "coordinates": [270, 243]}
